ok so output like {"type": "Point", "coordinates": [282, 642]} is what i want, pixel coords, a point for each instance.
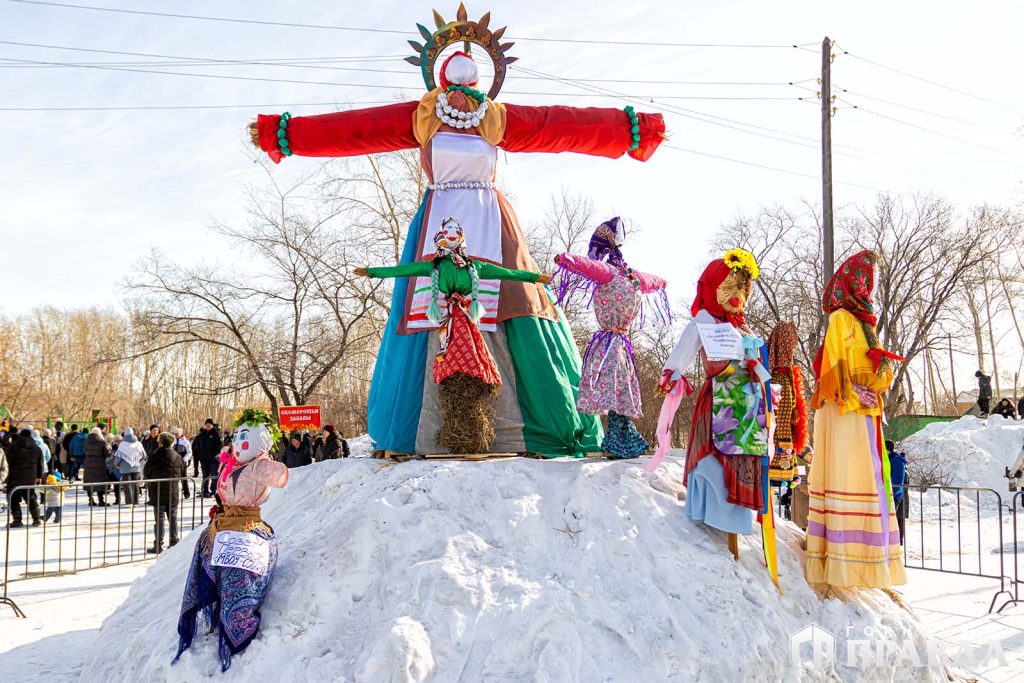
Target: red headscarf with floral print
{"type": "Point", "coordinates": [850, 287]}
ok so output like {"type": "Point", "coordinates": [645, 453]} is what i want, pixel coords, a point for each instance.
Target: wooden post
{"type": "Point", "coordinates": [828, 239]}
{"type": "Point", "coordinates": [734, 546]}
{"type": "Point", "coordinates": [952, 374]}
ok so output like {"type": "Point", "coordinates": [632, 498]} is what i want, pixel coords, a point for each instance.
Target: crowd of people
{"type": "Point", "coordinates": [126, 469]}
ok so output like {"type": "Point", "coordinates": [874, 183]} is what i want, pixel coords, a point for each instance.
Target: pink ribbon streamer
{"type": "Point", "coordinates": [228, 462]}
{"type": "Point", "coordinates": [669, 407]}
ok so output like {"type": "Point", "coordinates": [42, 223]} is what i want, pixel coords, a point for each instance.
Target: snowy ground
{"type": "Point", "coordinates": [954, 611]}
{"type": "Point", "coordinates": [974, 451]}
{"type": "Point", "coordinates": [509, 570]}
{"type": "Point", "coordinates": [63, 618]}
{"type": "Point", "coordinates": [519, 570]}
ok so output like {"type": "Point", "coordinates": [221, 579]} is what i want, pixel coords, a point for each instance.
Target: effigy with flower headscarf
{"type": "Point", "coordinates": [727, 453]}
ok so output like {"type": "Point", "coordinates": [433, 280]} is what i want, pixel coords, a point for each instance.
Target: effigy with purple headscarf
{"type": "Point", "coordinates": [620, 297]}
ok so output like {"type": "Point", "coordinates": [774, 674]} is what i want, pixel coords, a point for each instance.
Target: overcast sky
{"type": "Point", "coordinates": [87, 193]}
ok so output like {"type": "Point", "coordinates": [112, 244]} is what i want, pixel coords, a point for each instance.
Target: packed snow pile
{"type": "Point", "coordinates": [973, 451]}
{"type": "Point", "coordinates": [508, 570]}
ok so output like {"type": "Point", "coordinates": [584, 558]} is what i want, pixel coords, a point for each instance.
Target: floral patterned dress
{"type": "Point", "coordinates": [728, 445]}
{"type": "Point", "coordinates": [608, 381]}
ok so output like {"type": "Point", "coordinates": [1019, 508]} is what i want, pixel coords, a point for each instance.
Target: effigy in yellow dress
{"type": "Point", "coordinates": [852, 536]}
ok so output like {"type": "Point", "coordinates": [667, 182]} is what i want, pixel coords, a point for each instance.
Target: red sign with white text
{"type": "Point", "coordinates": [299, 417]}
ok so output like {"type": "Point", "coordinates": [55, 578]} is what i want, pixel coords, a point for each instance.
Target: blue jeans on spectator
{"type": "Point", "coordinates": [55, 511]}
{"type": "Point", "coordinates": [74, 465]}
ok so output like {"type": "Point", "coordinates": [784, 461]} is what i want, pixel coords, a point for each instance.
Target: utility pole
{"type": "Point", "coordinates": [952, 373]}
{"type": "Point", "coordinates": [828, 239]}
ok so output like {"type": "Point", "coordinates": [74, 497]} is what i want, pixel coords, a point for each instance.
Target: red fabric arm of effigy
{"type": "Point", "coordinates": [342, 134]}
{"type": "Point", "coordinates": [596, 131]}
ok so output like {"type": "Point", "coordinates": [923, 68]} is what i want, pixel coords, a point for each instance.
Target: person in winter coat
{"type": "Point", "coordinates": [898, 478]}
{"type": "Point", "coordinates": [195, 456]}
{"type": "Point", "coordinates": [54, 496]}
{"type": "Point", "coordinates": [1005, 408]}
{"type": "Point", "coordinates": [184, 448]}
{"type": "Point", "coordinates": [298, 452]}
{"type": "Point", "coordinates": [3, 467]}
{"type": "Point", "coordinates": [76, 451]}
{"type": "Point", "coordinates": [334, 445]}
{"type": "Point", "coordinates": [150, 442]}
{"type": "Point", "coordinates": [165, 463]}
{"type": "Point", "coordinates": [44, 447]}
{"type": "Point", "coordinates": [51, 444]}
{"type": "Point", "coordinates": [25, 468]}
{"type": "Point", "coordinates": [207, 452]}
{"type": "Point", "coordinates": [984, 391]}
{"type": "Point", "coordinates": [129, 458]}
{"type": "Point", "coordinates": [113, 475]}
{"type": "Point", "coordinates": [47, 458]}
{"type": "Point", "coordinates": [96, 453]}
{"type": "Point", "coordinates": [318, 447]}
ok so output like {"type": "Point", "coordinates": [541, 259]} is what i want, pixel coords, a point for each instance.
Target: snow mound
{"type": "Point", "coordinates": [510, 570]}
{"type": "Point", "coordinates": [975, 451]}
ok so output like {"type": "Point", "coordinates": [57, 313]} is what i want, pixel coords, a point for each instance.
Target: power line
{"type": "Point", "coordinates": [765, 167]}
{"type": "Point", "coordinates": [931, 82]}
{"type": "Point", "coordinates": [193, 75]}
{"type": "Point", "coordinates": [849, 105]}
{"type": "Point", "coordinates": [710, 119]}
{"type": "Point", "coordinates": [931, 131]}
{"type": "Point", "coordinates": [361, 85]}
{"type": "Point", "coordinates": [288, 24]}
{"type": "Point", "coordinates": [165, 56]}
{"type": "Point", "coordinates": [301, 62]}
{"type": "Point", "coordinates": [923, 111]}
{"type": "Point", "coordinates": [173, 107]}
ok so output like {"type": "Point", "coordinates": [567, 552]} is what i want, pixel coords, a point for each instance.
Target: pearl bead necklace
{"type": "Point", "coordinates": [462, 185]}
{"type": "Point", "coordinates": [451, 116]}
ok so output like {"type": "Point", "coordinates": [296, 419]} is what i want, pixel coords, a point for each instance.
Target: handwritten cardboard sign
{"type": "Point", "coordinates": [241, 550]}
{"type": "Point", "coordinates": [721, 341]}
{"type": "Point", "coordinates": [299, 417]}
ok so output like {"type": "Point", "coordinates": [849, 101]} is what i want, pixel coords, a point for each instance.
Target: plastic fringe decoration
{"type": "Point", "coordinates": [434, 310]}
{"type": "Point", "coordinates": [799, 411]}
{"type": "Point", "coordinates": [476, 309]}
{"type": "Point", "coordinates": [574, 288]}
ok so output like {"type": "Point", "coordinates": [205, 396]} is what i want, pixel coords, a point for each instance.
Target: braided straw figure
{"type": "Point", "coordinates": [464, 368]}
{"type": "Point", "coordinates": [791, 410]}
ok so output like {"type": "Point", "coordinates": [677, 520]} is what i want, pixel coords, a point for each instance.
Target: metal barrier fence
{"type": "Point", "coordinates": [84, 535]}
{"type": "Point", "coordinates": [1016, 546]}
{"type": "Point", "coordinates": [957, 530]}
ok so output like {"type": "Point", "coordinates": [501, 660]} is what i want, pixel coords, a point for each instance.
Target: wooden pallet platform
{"type": "Point", "coordinates": [471, 457]}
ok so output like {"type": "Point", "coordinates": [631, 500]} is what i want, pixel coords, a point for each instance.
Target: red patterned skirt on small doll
{"type": "Point", "coordinates": [463, 348]}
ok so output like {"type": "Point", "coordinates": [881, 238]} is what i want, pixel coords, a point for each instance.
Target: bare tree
{"type": "Point", "coordinates": [928, 257]}
{"type": "Point", "coordinates": [292, 315]}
